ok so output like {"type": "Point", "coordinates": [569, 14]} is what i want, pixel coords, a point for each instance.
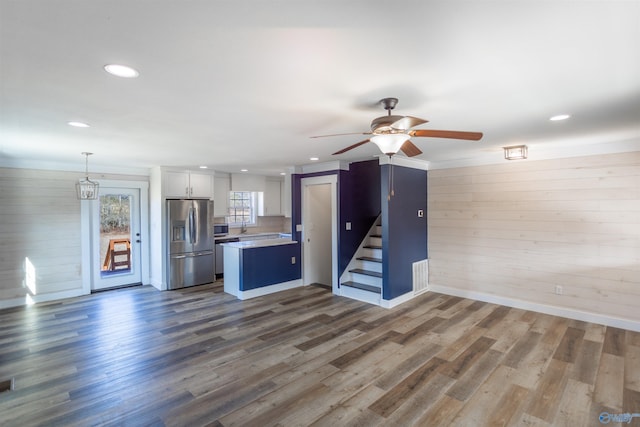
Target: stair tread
{"type": "Point", "coordinates": [362, 286]}
{"type": "Point", "coordinates": [366, 272]}
{"type": "Point", "coordinates": [379, 236]}
{"type": "Point", "coordinates": [369, 258]}
{"type": "Point", "coordinates": [372, 247]}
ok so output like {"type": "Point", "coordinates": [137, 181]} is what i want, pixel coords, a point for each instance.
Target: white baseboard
{"type": "Point", "coordinates": [266, 290]}
{"type": "Point", "coordinates": [390, 303]}
{"type": "Point", "coordinates": [540, 308]}
{"type": "Point", "coordinates": [17, 302]}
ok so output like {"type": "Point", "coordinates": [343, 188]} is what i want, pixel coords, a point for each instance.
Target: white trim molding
{"type": "Point", "coordinates": [404, 162]}
{"type": "Point", "coordinates": [390, 303]}
{"type": "Point", "coordinates": [540, 308]}
{"type": "Point", "coordinates": [40, 298]}
{"type": "Point", "coordinates": [266, 290]}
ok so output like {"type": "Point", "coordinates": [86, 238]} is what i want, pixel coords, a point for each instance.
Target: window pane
{"type": "Point", "coordinates": [115, 233]}
{"type": "Point", "coordinates": [241, 209]}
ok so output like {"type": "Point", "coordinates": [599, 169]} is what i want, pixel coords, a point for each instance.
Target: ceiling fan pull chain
{"type": "Point", "coordinates": [391, 192]}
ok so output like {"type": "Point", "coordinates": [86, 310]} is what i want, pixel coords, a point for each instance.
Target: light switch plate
{"type": "Point", "coordinates": [347, 226]}
{"type": "Point", "coordinates": [298, 227]}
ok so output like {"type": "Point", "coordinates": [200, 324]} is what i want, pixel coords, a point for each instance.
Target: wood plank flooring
{"type": "Point", "coordinates": [307, 358]}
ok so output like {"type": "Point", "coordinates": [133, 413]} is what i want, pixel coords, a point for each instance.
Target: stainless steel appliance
{"type": "Point", "coordinates": [220, 230]}
{"type": "Point", "coordinates": [220, 254]}
{"type": "Point", "coordinates": [191, 245]}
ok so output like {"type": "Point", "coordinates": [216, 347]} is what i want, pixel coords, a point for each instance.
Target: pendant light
{"type": "Point", "coordinates": [85, 188]}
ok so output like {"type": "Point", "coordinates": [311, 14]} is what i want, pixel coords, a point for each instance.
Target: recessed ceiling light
{"type": "Point", "coordinates": [313, 159]}
{"type": "Point", "coordinates": [244, 170]}
{"type": "Point", "coordinates": [283, 173]}
{"type": "Point", "coordinates": [121, 71]}
{"type": "Point", "coordinates": [559, 117]}
{"type": "Point", "coordinates": [203, 167]}
{"type": "Point", "coordinates": [78, 124]}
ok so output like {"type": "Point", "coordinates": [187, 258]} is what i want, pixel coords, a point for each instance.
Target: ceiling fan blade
{"type": "Point", "coordinates": [407, 122]}
{"type": "Point", "coordinates": [410, 149]}
{"type": "Point", "coordinates": [341, 134]}
{"type": "Point", "coordinates": [351, 147]}
{"type": "Point", "coordinates": [472, 136]}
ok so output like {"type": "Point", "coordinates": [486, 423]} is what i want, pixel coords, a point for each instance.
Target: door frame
{"type": "Point", "coordinates": [86, 223]}
{"type": "Point", "coordinates": [304, 184]}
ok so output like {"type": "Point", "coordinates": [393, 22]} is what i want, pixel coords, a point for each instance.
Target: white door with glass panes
{"type": "Point", "coordinates": [116, 238]}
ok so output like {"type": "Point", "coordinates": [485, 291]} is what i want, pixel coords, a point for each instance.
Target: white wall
{"type": "Point", "coordinates": [40, 220]}
{"type": "Point", "coordinates": [512, 232]}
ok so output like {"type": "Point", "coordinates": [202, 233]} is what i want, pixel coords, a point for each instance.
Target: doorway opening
{"type": "Point", "coordinates": [319, 225]}
{"type": "Point", "coordinates": [115, 231]}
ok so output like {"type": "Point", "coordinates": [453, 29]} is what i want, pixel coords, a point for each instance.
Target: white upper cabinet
{"type": "Point", "coordinates": [272, 198]}
{"type": "Point", "coordinates": [222, 186]}
{"type": "Point", "coordinates": [201, 185]}
{"type": "Point", "coordinates": [247, 182]}
{"type": "Point", "coordinates": [187, 184]}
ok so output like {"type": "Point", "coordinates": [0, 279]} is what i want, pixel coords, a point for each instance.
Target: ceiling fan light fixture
{"type": "Point", "coordinates": [390, 143]}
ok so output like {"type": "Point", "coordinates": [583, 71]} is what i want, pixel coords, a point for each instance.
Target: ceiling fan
{"type": "Point", "coordinates": [391, 133]}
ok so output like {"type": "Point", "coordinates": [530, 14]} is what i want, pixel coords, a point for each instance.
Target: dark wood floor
{"type": "Point", "coordinates": [304, 357]}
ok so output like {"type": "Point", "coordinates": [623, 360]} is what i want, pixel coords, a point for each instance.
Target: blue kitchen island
{"type": "Point", "coordinates": [260, 267]}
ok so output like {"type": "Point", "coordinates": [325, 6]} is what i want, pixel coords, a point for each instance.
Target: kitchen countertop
{"type": "Point", "coordinates": [246, 235]}
{"type": "Point", "coordinates": [259, 243]}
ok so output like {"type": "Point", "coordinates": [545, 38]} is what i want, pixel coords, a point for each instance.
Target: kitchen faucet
{"type": "Point", "coordinates": [243, 228]}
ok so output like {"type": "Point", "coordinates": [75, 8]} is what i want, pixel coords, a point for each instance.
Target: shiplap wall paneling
{"type": "Point", "coordinates": [519, 229]}
{"type": "Point", "coordinates": [39, 221]}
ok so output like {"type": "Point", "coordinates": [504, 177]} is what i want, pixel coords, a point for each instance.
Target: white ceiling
{"type": "Point", "coordinates": [243, 84]}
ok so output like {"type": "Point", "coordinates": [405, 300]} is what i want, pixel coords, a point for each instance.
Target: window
{"type": "Point", "coordinates": [242, 208]}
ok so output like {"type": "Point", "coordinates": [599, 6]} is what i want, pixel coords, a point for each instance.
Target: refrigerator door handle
{"type": "Point", "coordinates": [192, 227]}
{"type": "Point", "coordinates": [195, 213]}
{"type": "Point", "coordinates": [178, 256]}
{"type": "Point", "coordinates": [203, 253]}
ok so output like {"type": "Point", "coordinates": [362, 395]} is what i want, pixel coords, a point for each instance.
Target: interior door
{"type": "Point", "coordinates": [116, 238]}
{"type": "Point", "coordinates": [319, 223]}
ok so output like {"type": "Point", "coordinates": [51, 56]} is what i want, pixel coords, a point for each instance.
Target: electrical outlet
{"type": "Point", "coordinates": [420, 213]}
{"type": "Point", "coordinates": [559, 290]}
{"type": "Point", "coordinates": [293, 260]}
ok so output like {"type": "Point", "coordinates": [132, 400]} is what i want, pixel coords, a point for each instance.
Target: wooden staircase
{"type": "Point", "coordinates": [362, 279]}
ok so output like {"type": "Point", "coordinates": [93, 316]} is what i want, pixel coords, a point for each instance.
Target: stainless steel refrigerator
{"type": "Point", "coordinates": [191, 245]}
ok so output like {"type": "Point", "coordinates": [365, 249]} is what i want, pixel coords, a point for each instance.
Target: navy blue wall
{"type": "Point", "coordinates": [296, 208]}
{"type": "Point", "coordinates": [359, 204]}
{"type": "Point", "coordinates": [268, 265]}
{"type": "Point", "coordinates": [404, 233]}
